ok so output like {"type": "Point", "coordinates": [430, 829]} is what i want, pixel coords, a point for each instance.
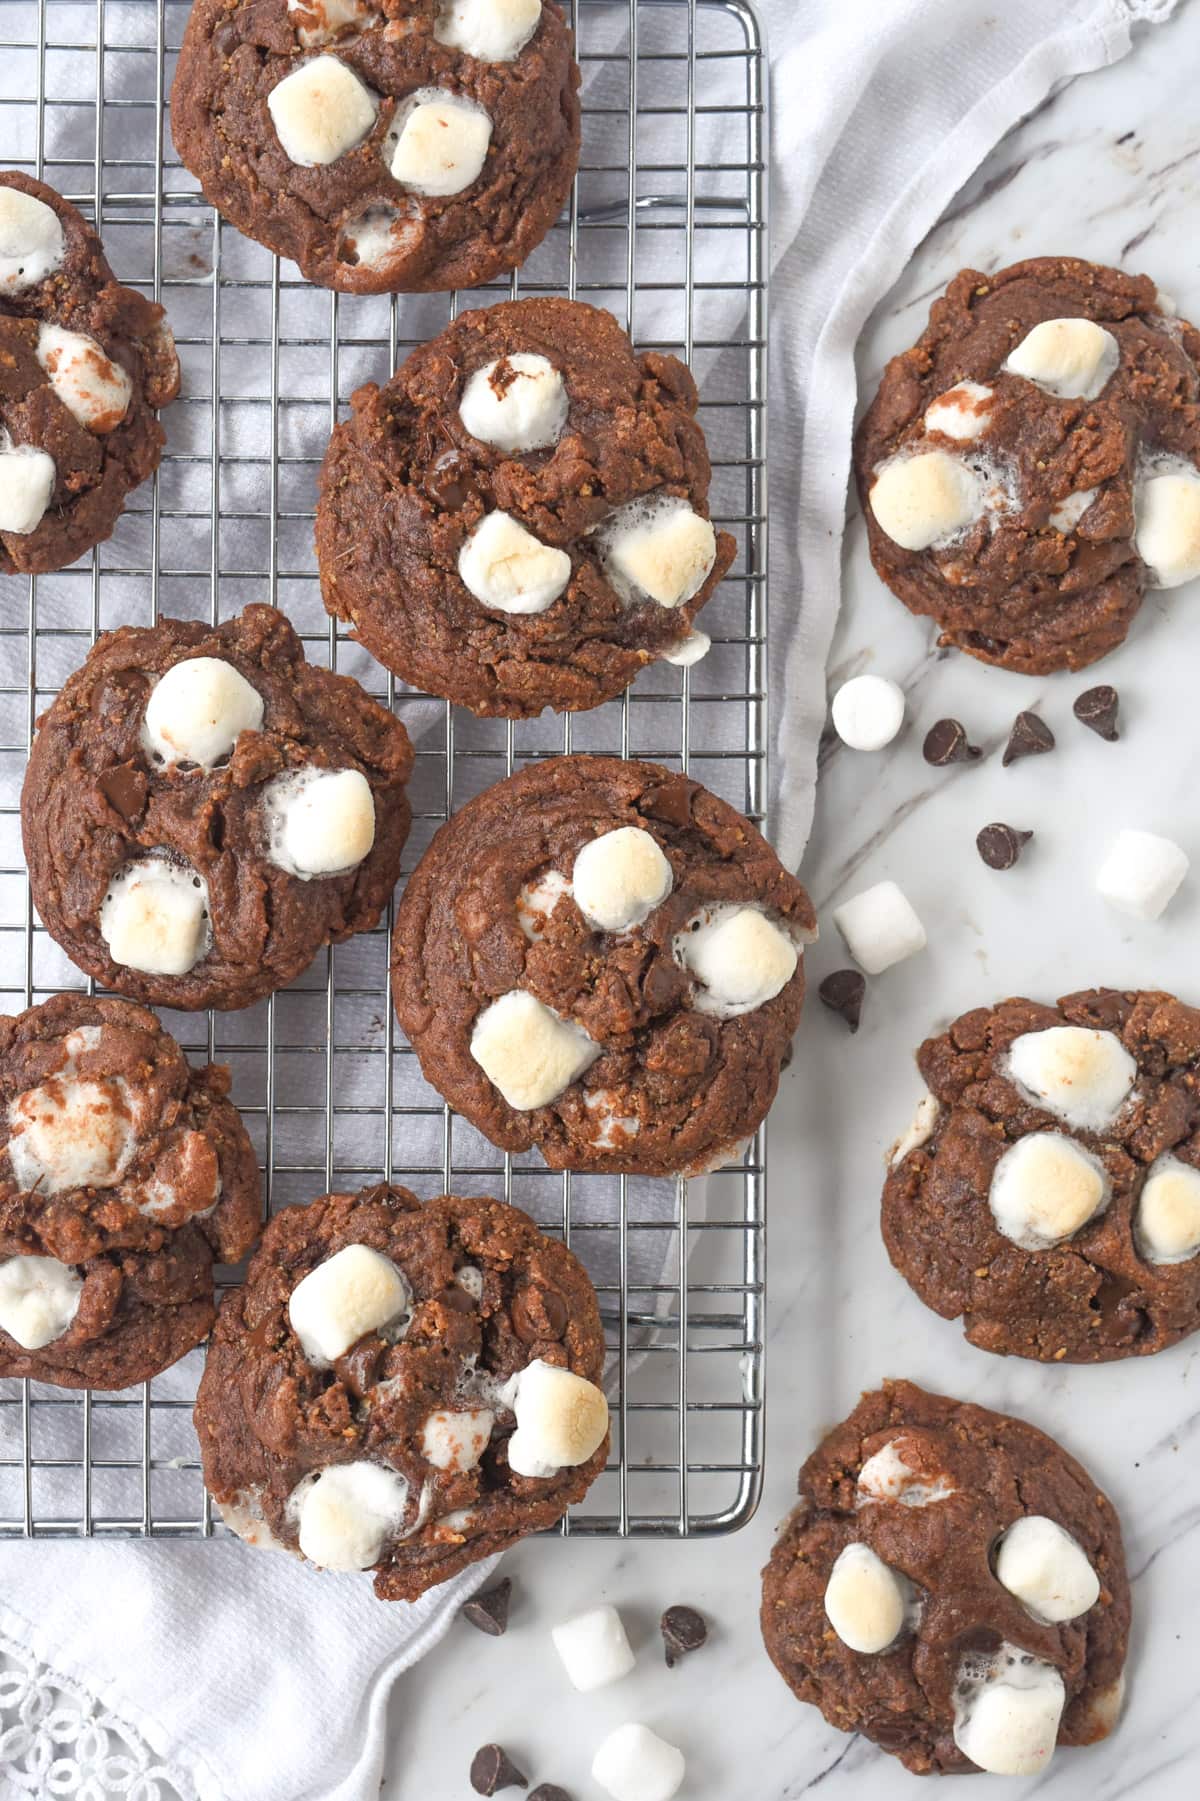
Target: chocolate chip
{"type": "Point", "coordinates": [492, 1768]}
{"type": "Point", "coordinates": [683, 1630]}
{"type": "Point", "coordinates": [488, 1611]}
{"type": "Point", "coordinates": [125, 789]}
{"type": "Point", "coordinates": [1097, 709]}
{"type": "Point", "coordinates": [842, 992]}
{"type": "Point", "coordinates": [1030, 737]}
{"type": "Point", "coordinates": [549, 1791]}
{"type": "Point", "coordinates": [451, 482]}
{"type": "Point", "coordinates": [946, 742]}
{"type": "Point", "coordinates": [672, 802]}
{"type": "Point", "coordinates": [358, 1368]}
{"type": "Point", "coordinates": [538, 1313]}
{"type": "Point", "coordinates": [1001, 845]}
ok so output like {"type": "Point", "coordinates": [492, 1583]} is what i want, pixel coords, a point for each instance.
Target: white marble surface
{"type": "Point", "coordinates": [1108, 170]}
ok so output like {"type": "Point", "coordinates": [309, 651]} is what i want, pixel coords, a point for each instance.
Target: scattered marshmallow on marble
{"type": "Point", "coordinates": [508, 570]}
{"type": "Point", "coordinates": [438, 142]}
{"type": "Point", "coordinates": [197, 711]}
{"type": "Point", "coordinates": [39, 1297]}
{"type": "Point", "coordinates": [866, 1602]}
{"type": "Point", "coordinates": [1083, 1076]}
{"type": "Point", "coordinates": [1167, 528]}
{"type": "Point", "coordinates": [594, 1648]}
{"type": "Point", "coordinates": [93, 388]}
{"type": "Point", "coordinates": [692, 650]}
{"type": "Point", "coordinates": [493, 31]}
{"type": "Point", "coordinates": [320, 111]}
{"type": "Point", "coordinates": [659, 549]}
{"type": "Point", "coordinates": [561, 1419]}
{"type": "Point", "coordinates": [880, 927]}
{"type": "Point", "coordinates": [1044, 1189]}
{"type": "Point", "coordinates": [155, 917]}
{"type": "Point", "coordinates": [1141, 874]}
{"type": "Point", "coordinates": [27, 478]}
{"type": "Point", "coordinates": [619, 878]}
{"type": "Point", "coordinates": [332, 17]}
{"type": "Point", "coordinates": [1007, 1710]}
{"type": "Point", "coordinates": [355, 1291]}
{"type": "Point", "coordinates": [887, 1477]}
{"type": "Point", "coordinates": [70, 1134]}
{"type": "Point", "coordinates": [1047, 1569]}
{"type": "Point", "coordinates": [1070, 511]}
{"type": "Point", "coordinates": [962, 412]}
{"type": "Point", "coordinates": [518, 403]}
{"type": "Point", "coordinates": [528, 1052]}
{"type": "Point", "coordinates": [739, 958]}
{"type": "Point", "coordinates": [1166, 1221]}
{"type": "Point", "coordinates": [919, 1132]}
{"type": "Point", "coordinates": [32, 242]}
{"type": "Point", "coordinates": [319, 822]}
{"type": "Point", "coordinates": [634, 1764]}
{"type": "Point", "coordinates": [347, 1513]}
{"type": "Point", "coordinates": [868, 711]}
{"type": "Point", "coordinates": [923, 501]}
{"type": "Point", "coordinates": [456, 1441]}
{"type": "Point", "coordinates": [1070, 358]}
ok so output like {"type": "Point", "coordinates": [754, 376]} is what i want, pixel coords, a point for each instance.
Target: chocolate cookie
{"type": "Point", "coordinates": [952, 1585]}
{"type": "Point", "coordinates": [203, 810]}
{"type": "Point", "coordinates": [83, 363]}
{"type": "Point", "coordinates": [403, 1387]}
{"type": "Point", "coordinates": [1029, 468]}
{"type": "Point", "coordinates": [1049, 1189]}
{"type": "Point", "coordinates": [602, 959]}
{"type": "Point", "coordinates": [519, 519]}
{"type": "Point", "coordinates": [383, 145]}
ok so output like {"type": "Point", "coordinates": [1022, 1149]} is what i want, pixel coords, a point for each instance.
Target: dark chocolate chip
{"type": "Point", "coordinates": [1001, 845]}
{"type": "Point", "coordinates": [549, 1791]}
{"type": "Point", "coordinates": [359, 1367]}
{"type": "Point", "coordinates": [683, 1630]}
{"type": "Point", "coordinates": [125, 789]}
{"type": "Point", "coordinates": [1097, 709]}
{"type": "Point", "coordinates": [451, 482]}
{"type": "Point", "coordinates": [488, 1611]}
{"type": "Point", "coordinates": [538, 1313]}
{"type": "Point", "coordinates": [1030, 737]}
{"type": "Point", "coordinates": [672, 802]}
{"type": "Point", "coordinates": [492, 1769]}
{"type": "Point", "coordinates": [946, 742]}
{"type": "Point", "coordinates": [842, 992]}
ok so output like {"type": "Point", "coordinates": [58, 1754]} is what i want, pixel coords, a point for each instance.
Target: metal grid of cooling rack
{"type": "Point", "coordinates": [667, 228]}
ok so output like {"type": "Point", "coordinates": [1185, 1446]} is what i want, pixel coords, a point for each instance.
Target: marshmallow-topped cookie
{"type": "Point", "coordinates": [404, 1387]}
{"type": "Point", "coordinates": [1051, 1197]}
{"type": "Point", "coordinates": [519, 518]}
{"type": "Point", "coordinates": [977, 1627]}
{"type": "Point", "coordinates": [84, 364]}
{"type": "Point", "coordinates": [384, 149]}
{"type": "Point", "coordinates": [1032, 465]}
{"type": "Point", "coordinates": [602, 959]}
{"type": "Point", "coordinates": [204, 809]}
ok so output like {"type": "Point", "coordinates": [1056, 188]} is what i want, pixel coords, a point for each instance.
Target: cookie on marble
{"type": "Point", "coordinates": [519, 518]}
{"type": "Point", "coordinates": [1032, 465]}
{"type": "Point", "coordinates": [84, 363]}
{"type": "Point", "coordinates": [952, 1586]}
{"type": "Point", "coordinates": [403, 1387]}
{"type": "Point", "coordinates": [383, 145]}
{"type": "Point", "coordinates": [601, 959]}
{"type": "Point", "coordinates": [1048, 1192]}
{"type": "Point", "coordinates": [204, 810]}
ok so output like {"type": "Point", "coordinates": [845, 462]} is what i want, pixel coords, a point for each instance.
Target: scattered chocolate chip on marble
{"type": "Point", "coordinates": [1097, 709]}
{"type": "Point", "coordinates": [549, 1791]}
{"type": "Point", "coordinates": [843, 992]}
{"type": "Point", "coordinates": [946, 742]}
{"type": "Point", "coordinates": [683, 1630]}
{"type": "Point", "coordinates": [493, 1769]}
{"type": "Point", "coordinates": [1030, 737]}
{"type": "Point", "coordinates": [1000, 845]}
{"type": "Point", "coordinates": [488, 1610]}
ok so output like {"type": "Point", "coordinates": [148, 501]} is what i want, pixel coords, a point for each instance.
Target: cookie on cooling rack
{"type": "Point", "coordinates": [403, 1387]}
{"type": "Point", "coordinates": [1049, 1190]}
{"type": "Point", "coordinates": [125, 1173]}
{"type": "Point", "coordinates": [1032, 465]}
{"type": "Point", "coordinates": [603, 960]}
{"type": "Point", "coordinates": [204, 810]}
{"type": "Point", "coordinates": [83, 364]}
{"type": "Point", "coordinates": [952, 1586]}
{"type": "Point", "coordinates": [519, 518]}
{"type": "Point", "coordinates": [383, 145]}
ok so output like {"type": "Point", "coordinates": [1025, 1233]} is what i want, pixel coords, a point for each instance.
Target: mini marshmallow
{"type": "Point", "coordinates": [244, 1516]}
{"type": "Point", "coordinates": [919, 1132]}
{"type": "Point", "coordinates": [1083, 1076]}
{"type": "Point", "coordinates": [1046, 1569]}
{"type": "Point", "coordinates": [354, 1292]}
{"type": "Point", "coordinates": [692, 650]}
{"type": "Point", "coordinates": [1044, 1189]}
{"type": "Point", "coordinates": [27, 478]}
{"type": "Point", "coordinates": [518, 403]}
{"type": "Point", "coordinates": [1070, 511]}
{"type": "Point", "coordinates": [963, 412]}
{"type": "Point", "coordinates": [1166, 1221]}
{"type": "Point", "coordinates": [1141, 874]}
{"type": "Point", "coordinates": [1070, 358]}
{"type": "Point", "coordinates": [619, 878]}
{"type": "Point", "coordinates": [438, 142]}
{"type": "Point", "coordinates": [528, 1052]}
{"type": "Point", "coordinates": [319, 822]}
{"type": "Point", "coordinates": [456, 1441]}
{"type": "Point", "coordinates": [594, 1649]}
{"type": "Point", "coordinates": [470, 1280]}
{"type": "Point", "coordinates": [561, 1419]}
{"type": "Point", "coordinates": [739, 958]}
{"type": "Point", "coordinates": [493, 31]}
{"type": "Point", "coordinates": [348, 1513]}
{"type": "Point", "coordinates": [197, 711]}
{"type": "Point", "coordinates": [1007, 1711]}
{"type": "Point", "coordinates": [379, 235]}
{"type": "Point", "coordinates": [924, 501]}
{"type": "Point", "coordinates": [658, 549]}
{"type": "Point", "coordinates": [866, 1602]}
{"type": "Point", "coordinates": [155, 917]}
{"type": "Point", "coordinates": [508, 570]}
{"type": "Point", "coordinates": [32, 243]}
{"type": "Point", "coordinates": [1167, 524]}
{"type": "Point", "coordinates": [612, 1129]}
{"type": "Point", "coordinates": [880, 927]}
{"type": "Point", "coordinates": [537, 900]}
{"type": "Point", "coordinates": [320, 111]}
{"type": "Point", "coordinates": [69, 1134]}
{"type": "Point", "coordinates": [39, 1297]}
{"type": "Point", "coordinates": [868, 711]}
{"type": "Point", "coordinates": [634, 1764]}
{"type": "Point", "coordinates": [93, 388]}
{"type": "Point", "coordinates": [331, 18]}
{"type": "Point", "coordinates": [886, 1477]}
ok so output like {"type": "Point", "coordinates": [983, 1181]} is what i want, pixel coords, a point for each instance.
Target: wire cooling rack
{"type": "Point", "coordinates": [667, 228]}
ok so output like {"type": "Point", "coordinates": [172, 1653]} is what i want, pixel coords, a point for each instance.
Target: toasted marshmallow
{"type": "Point", "coordinates": [320, 111]}
{"type": "Point", "coordinates": [438, 142]}
{"type": "Point", "coordinates": [866, 1602]}
{"type": "Point", "coordinates": [1070, 358]}
{"type": "Point", "coordinates": [319, 822]}
{"type": "Point", "coordinates": [27, 478]}
{"type": "Point", "coordinates": [32, 243]}
{"type": "Point", "coordinates": [919, 1132]}
{"type": "Point", "coordinates": [518, 403]}
{"type": "Point", "coordinates": [508, 570]}
{"type": "Point", "coordinates": [561, 1419]}
{"type": "Point", "coordinates": [348, 1513]}
{"type": "Point", "coordinates": [659, 549]}
{"type": "Point", "coordinates": [619, 878]}
{"type": "Point", "coordinates": [739, 958]}
{"type": "Point", "coordinates": [1167, 524]}
{"type": "Point", "coordinates": [493, 31]}
{"type": "Point", "coordinates": [1007, 1710]}
{"type": "Point", "coordinates": [70, 1134]}
{"type": "Point", "coordinates": [39, 1297]}
{"type": "Point", "coordinates": [689, 650]}
{"type": "Point", "coordinates": [1166, 1221]}
{"type": "Point", "coordinates": [155, 917]}
{"type": "Point", "coordinates": [529, 1053]}
{"type": "Point", "coordinates": [963, 412]}
{"type": "Point", "coordinates": [456, 1441]}
{"type": "Point", "coordinates": [90, 385]}
{"type": "Point", "coordinates": [1141, 874]}
{"type": "Point", "coordinates": [924, 501]}
{"type": "Point", "coordinates": [1070, 511]}
{"type": "Point", "coordinates": [594, 1648]}
{"type": "Point", "coordinates": [330, 19]}
{"type": "Point", "coordinates": [868, 711]}
{"type": "Point", "coordinates": [634, 1764]}
{"type": "Point", "coordinates": [1046, 1569]}
{"type": "Point", "coordinates": [1046, 1188]}
{"type": "Point", "coordinates": [1083, 1076]}
{"type": "Point", "coordinates": [354, 1292]}
{"type": "Point", "coordinates": [197, 711]}
{"type": "Point", "coordinates": [887, 1477]}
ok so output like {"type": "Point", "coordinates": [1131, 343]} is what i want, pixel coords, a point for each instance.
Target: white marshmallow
{"type": "Point", "coordinates": [1046, 1569]}
{"type": "Point", "coordinates": [690, 651]}
{"type": "Point", "coordinates": [613, 1129]}
{"type": "Point", "coordinates": [320, 111]}
{"type": "Point", "coordinates": [39, 1297]}
{"type": "Point", "coordinates": [866, 1602]}
{"type": "Point", "coordinates": [456, 1441]}
{"type": "Point", "coordinates": [634, 1764]}
{"type": "Point", "coordinates": [1166, 1221]}
{"type": "Point", "coordinates": [1141, 874]}
{"type": "Point", "coordinates": [494, 31]}
{"type": "Point", "coordinates": [1044, 1189]}
{"type": "Point", "coordinates": [155, 917]}
{"type": "Point", "coordinates": [27, 478]}
{"type": "Point", "coordinates": [319, 822]}
{"type": "Point", "coordinates": [924, 501]}
{"type": "Point", "coordinates": [90, 385]}
{"type": "Point", "coordinates": [594, 1649]}
{"type": "Point", "coordinates": [963, 412]}
{"type": "Point", "coordinates": [619, 878]}
{"type": "Point", "coordinates": [348, 1513]}
{"type": "Point", "coordinates": [537, 901]}
{"type": "Point", "coordinates": [244, 1516]}
{"type": "Point", "coordinates": [1167, 524]}
{"type": "Point", "coordinates": [738, 957]}
{"type": "Point", "coordinates": [330, 19]}
{"type": "Point", "coordinates": [197, 711]}
{"type": "Point", "coordinates": [70, 1134]}
{"type": "Point", "coordinates": [657, 549]}
{"type": "Point", "coordinates": [919, 1132]}
{"type": "Point", "coordinates": [380, 235]}
{"type": "Point", "coordinates": [32, 244]}
{"type": "Point", "coordinates": [880, 927]}
{"type": "Point", "coordinates": [868, 711]}
{"type": "Point", "coordinates": [561, 1419]}
{"type": "Point", "coordinates": [1007, 1710]}
{"type": "Point", "coordinates": [508, 570]}
{"type": "Point", "coordinates": [438, 142]}
{"type": "Point", "coordinates": [1070, 358]}
{"type": "Point", "coordinates": [518, 403]}
{"type": "Point", "coordinates": [528, 1052]}
{"type": "Point", "coordinates": [354, 1292]}
{"type": "Point", "coordinates": [887, 1477]}
{"type": "Point", "coordinates": [470, 1280]}
{"type": "Point", "coordinates": [1083, 1076]}
{"type": "Point", "coordinates": [1070, 511]}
